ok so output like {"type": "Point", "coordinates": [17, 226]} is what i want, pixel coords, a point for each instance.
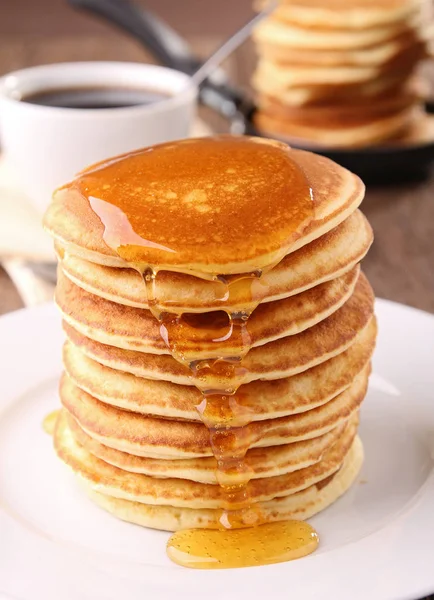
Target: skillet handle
{"type": "Point", "coordinates": [164, 43]}
{"type": "Point", "coordinates": [173, 52]}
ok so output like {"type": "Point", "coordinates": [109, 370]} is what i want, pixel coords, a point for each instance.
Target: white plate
{"type": "Point", "coordinates": [376, 542]}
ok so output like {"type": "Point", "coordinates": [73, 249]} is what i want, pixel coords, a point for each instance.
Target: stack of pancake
{"type": "Point", "coordinates": [131, 424]}
{"type": "Point", "coordinates": [341, 73]}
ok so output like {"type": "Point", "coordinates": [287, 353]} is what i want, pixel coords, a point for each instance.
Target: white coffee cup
{"type": "Point", "coordinates": [46, 146]}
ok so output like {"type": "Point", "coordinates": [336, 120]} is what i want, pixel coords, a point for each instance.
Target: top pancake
{"type": "Point", "coordinates": [211, 206]}
{"type": "Point", "coordinates": [356, 14]}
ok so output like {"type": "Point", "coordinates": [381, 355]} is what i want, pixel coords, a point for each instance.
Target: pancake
{"type": "Point", "coordinates": [256, 401]}
{"type": "Point", "coordinates": [404, 47]}
{"type": "Point", "coordinates": [112, 481]}
{"type": "Point", "coordinates": [141, 435]}
{"type": "Point", "coordinates": [262, 220]}
{"type": "Point", "coordinates": [281, 81]}
{"type": "Point", "coordinates": [348, 136]}
{"type": "Point", "coordinates": [247, 251]}
{"type": "Point", "coordinates": [355, 113]}
{"type": "Point", "coordinates": [262, 462]}
{"type": "Point", "coordinates": [278, 359]}
{"type": "Point", "coordinates": [357, 14]}
{"type": "Point", "coordinates": [274, 78]}
{"type": "Point", "coordinates": [344, 93]}
{"type": "Point", "coordinates": [287, 34]}
{"type": "Point", "coordinates": [137, 329]}
{"type": "Point", "coordinates": [330, 256]}
{"type": "Point", "coordinates": [300, 505]}
{"type": "Point", "coordinates": [327, 78]}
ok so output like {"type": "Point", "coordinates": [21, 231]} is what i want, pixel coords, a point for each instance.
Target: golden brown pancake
{"type": "Point", "coordinates": [406, 48]}
{"type": "Point", "coordinates": [168, 439]}
{"type": "Point", "coordinates": [327, 257]}
{"type": "Point", "coordinates": [137, 329]}
{"type": "Point", "coordinates": [222, 199]}
{"type": "Point", "coordinates": [256, 401]}
{"type": "Point", "coordinates": [327, 86]}
{"type": "Point", "coordinates": [112, 481]}
{"type": "Point", "coordinates": [284, 357]}
{"type": "Point", "coordinates": [371, 132]}
{"type": "Point", "coordinates": [277, 78]}
{"type": "Point", "coordinates": [300, 505]}
{"type": "Point", "coordinates": [284, 33]}
{"type": "Point", "coordinates": [420, 132]}
{"type": "Point", "coordinates": [263, 462]}
{"type": "Point", "coordinates": [320, 94]}
{"type": "Point", "coordinates": [338, 75]}
{"type": "Point", "coordinates": [333, 116]}
{"type": "Point", "coordinates": [335, 14]}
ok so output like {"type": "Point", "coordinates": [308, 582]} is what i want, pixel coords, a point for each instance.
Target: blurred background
{"type": "Point", "coordinates": [50, 31]}
{"type": "Point", "coordinates": [400, 264]}
{"type": "Point", "coordinates": [45, 31]}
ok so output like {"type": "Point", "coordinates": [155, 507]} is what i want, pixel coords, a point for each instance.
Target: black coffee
{"type": "Point", "coordinates": [98, 97]}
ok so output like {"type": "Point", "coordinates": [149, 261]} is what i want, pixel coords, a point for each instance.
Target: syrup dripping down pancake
{"type": "Point", "coordinates": [137, 329]}
{"type": "Point", "coordinates": [264, 462]}
{"type": "Point", "coordinates": [300, 505]}
{"type": "Point", "coordinates": [153, 437]}
{"type": "Point", "coordinates": [330, 256]}
{"type": "Point", "coordinates": [184, 493]}
{"type": "Point", "coordinates": [281, 358]}
{"type": "Point", "coordinates": [258, 400]}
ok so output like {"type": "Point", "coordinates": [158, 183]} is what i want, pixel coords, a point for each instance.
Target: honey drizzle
{"type": "Point", "coordinates": [220, 373]}
{"type": "Point", "coordinates": [229, 437]}
{"type": "Point", "coordinates": [49, 422]}
{"type": "Point", "coordinates": [265, 544]}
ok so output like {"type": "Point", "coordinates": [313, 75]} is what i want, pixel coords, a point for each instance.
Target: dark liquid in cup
{"type": "Point", "coordinates": [95, 97]}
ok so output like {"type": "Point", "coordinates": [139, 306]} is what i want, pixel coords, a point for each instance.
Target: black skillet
{"type": "Point", "coordinates": [376, 164]}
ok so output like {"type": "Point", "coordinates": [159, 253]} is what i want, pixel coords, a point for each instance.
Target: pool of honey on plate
{"type": "Point", "coordinates": [49, 422]}
{"type": "Point", "coordinates": [166, 206]}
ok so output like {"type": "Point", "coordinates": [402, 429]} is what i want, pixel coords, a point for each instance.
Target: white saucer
{"type": "Point", "coordinates": [376, 542]}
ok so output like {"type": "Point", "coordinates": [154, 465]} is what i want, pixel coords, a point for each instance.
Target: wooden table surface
{"type": "Point", "coordinates": [400, 264]}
